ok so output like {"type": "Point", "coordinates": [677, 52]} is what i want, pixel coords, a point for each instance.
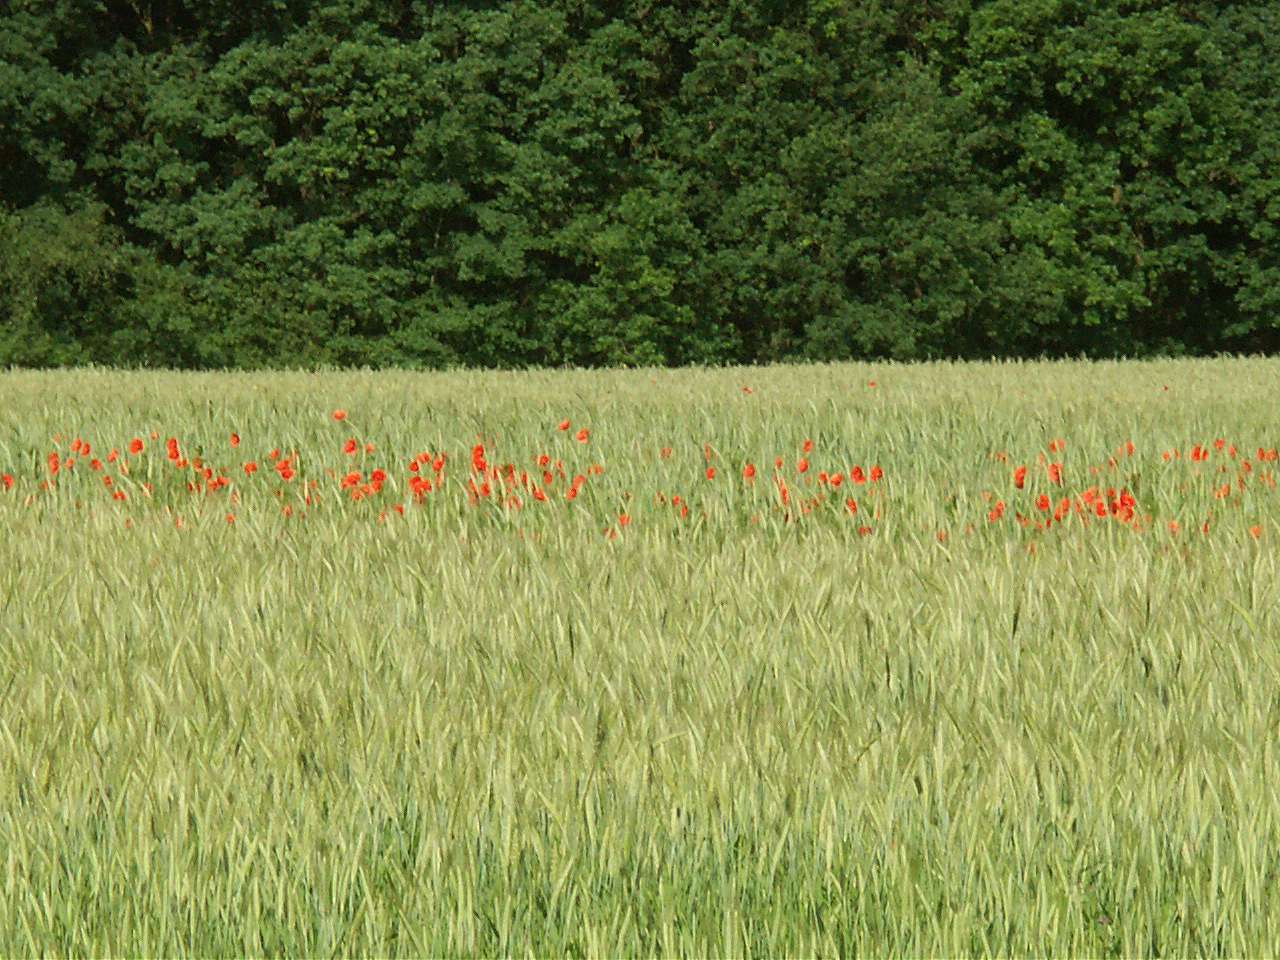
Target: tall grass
{"type": "Point", "coordinates": [477, 730]}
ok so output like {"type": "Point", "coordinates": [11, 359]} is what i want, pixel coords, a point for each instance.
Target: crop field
{"type": "Point", "coordinates": [929, 660]}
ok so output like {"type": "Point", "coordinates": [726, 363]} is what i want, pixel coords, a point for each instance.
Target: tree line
{"type": "Point", "coordinates": [422, 183]}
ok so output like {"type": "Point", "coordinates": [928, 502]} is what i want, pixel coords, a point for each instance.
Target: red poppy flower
{"type": "Point", "coordinates": [857, 476]}
{"type": "Point", "coordinates": [135, 445]}
{"type": "Point", "coordinates": [339, 414]}
{"type": "Point", "coordinates": [564, 424]}
{"type": "Point", "coordinates": [807, 447]}
{"type": "Point", "coordinates": [250, 468]}
{"type": "Point", "coordinates": [711, 473]}
{"type": "Point", "coordinates": [583, 435]}
{"type": "Point", "coordinates": [235, 439]}
{"type": "Point", "coordinates": [749, 471]}
{"type": "Point", "coordinates": [1020, 477]}
{"type": "Point", "coordinates": [803, 465]}
{"type": "Point", "coordinates": [876, 474]}
{"type": "Point", "coordinates": [350, 447]}
{"type": "Point", "coordinates": [7, 480]}
{"type": "Point", "coordinates": [851, 505]}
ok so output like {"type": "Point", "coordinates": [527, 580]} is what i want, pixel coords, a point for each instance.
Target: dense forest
{"type": "Point", "coordinates": [213, 183]}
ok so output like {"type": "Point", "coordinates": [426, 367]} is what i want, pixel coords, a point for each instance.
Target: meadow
{"type": "Point", "coordinates": [918, 660]}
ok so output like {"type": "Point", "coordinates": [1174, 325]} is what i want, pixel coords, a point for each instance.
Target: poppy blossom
{"type": "Point", "coordinates": [339, 414]}
{"type": "Point", "coordinates": [135, 445]}
{"type": "Point", "coordinates": [583, 435]}
{"type": "Point", "coordinates": [807, 447]}
{"type": "Point", "coordinates": [350, 447]}
{"type": "Point", "coordinates": [564, 424]}
{"type": "Point", "coordinates": [235, 439]}
{"type": "Point", "coordinates": [1020, 477]}
{"type": "Point", "coordinates": [749, 471]}
{"type": "Point", "coordinates": [250, 469]}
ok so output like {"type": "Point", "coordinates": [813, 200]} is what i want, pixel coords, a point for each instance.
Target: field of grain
{"type": "Point", "coordinates": [812, 661]}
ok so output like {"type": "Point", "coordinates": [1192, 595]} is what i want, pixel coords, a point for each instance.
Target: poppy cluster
{"type": "Point", "coordinates": [1043, 493]}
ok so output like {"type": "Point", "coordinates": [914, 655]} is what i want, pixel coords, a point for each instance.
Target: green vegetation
{"type": "Point", "coordinates": [552, 182]}
{"type": "Point", "coordinates": [480, 730]}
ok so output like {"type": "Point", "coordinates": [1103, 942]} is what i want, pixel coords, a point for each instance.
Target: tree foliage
{"type": "Point", "coordinates": [398, 182]}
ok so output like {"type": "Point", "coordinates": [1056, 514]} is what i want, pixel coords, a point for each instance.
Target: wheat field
{"type": "Point", "coordinates": [601, 664]}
